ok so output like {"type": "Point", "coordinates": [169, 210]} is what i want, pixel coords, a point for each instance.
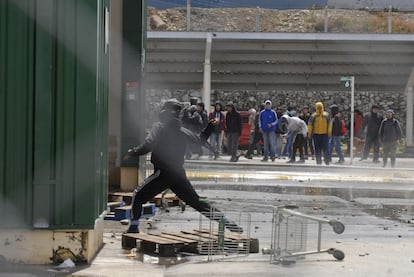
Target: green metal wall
{"type": "Point", "coordinates": [53, 113]}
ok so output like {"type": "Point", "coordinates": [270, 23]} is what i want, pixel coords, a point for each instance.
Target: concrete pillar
{"type": "Point", "coordinates": [410, 104]}
{"type": "Point", "coordinates": [207, 72]}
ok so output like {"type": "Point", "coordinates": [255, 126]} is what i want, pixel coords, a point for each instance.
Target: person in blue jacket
{"type": "Point", "coordinates": [267, 126]}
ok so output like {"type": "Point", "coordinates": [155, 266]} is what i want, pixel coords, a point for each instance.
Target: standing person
{"type": "Point", "coordinates": [338, 130]}
{"type": "Point", "coordinates": [308, 143]}
{"type": "Point", "coordinates": [167, 142]}
{"type": "Point", "coordinates": [233, 131]}
{"type": "Point", "coordinates": [192, 121]}
{"type": "Point", "coordinates": [253, 138]}
{"type": "Point", "coordinates": [299, 131]}
{"type": "Point", "coordinates": [320, 129]}
{"type": "Point", "coordinates": [358, 132]}
{"type": "Point", "coordinates": [267, 127]}
{"type": "Point", "coordinates": [215, 137]}
{"type": "Point", "coordinates": [389, 134]}
{"type": "Point", "coordinates": [279, 131]}
{"type": "Point", "coordinates": [287, 149]}
{"type": "Point", "coordinates": [372, 123]}
{"type": "Point", "coordinates": [200, 109]}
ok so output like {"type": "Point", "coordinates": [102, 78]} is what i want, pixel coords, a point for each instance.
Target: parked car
{"type": "Point", "coordinates": [244, 138]}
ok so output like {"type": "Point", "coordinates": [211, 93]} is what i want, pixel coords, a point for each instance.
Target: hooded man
{"type": "Point", "coordinates": [320, 129]}
{"type": "Point", "coordinates": [233, 131]}
{"type": "Point", "coordinates": [167, 142]}
{"type": "Point", "coordinates": [372, 123]}
{"type": "Point", "coordinates": [299, 131]}
{"type": "Point", "coordinates": [267, 127]}
{"type": "Point", "coordinates": [389, 134]}
{"type": "Point", "coordinates": [217, 117]}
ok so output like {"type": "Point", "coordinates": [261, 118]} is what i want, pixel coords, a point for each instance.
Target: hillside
{"type": "Point", "coordinates": [244, 20]}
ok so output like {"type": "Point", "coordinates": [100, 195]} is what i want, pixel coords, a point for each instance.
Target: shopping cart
{"type": "Point", "coordinates": [290, 230]}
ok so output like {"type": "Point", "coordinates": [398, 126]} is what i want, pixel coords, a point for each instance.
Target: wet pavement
{"type": "Point", "coordinates": [375, 204]}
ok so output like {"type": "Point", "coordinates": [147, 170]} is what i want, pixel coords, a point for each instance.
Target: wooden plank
{"type": "Point", "coordinates": [171, 236]}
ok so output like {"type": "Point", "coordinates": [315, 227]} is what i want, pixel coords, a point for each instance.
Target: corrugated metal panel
{"type": "Point", "coordinates": [53, 125]}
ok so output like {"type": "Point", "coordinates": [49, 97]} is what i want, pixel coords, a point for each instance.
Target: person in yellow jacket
{"type": "Point", "coordinates": [320, 130]}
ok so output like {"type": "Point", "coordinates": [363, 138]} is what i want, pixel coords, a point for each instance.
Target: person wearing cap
{"type": "Point", "coordinates": [320, 130]}
{"type": "Point", "coordinates": [267, 127]}
{"type": "Point", "coordinates": [372, 123]}
{"type": "Point", "coordinates": [233, 131]}
{"type": "Point", "coordinates": [389, 134]}
{"type": "Point", "coordinates": [167, 142]}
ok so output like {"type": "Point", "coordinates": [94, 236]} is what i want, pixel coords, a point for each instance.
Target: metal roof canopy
{"type": "Point", "coordinates": [271, 61]}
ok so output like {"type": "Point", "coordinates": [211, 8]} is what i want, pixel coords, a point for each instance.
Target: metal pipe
{"type": "Point", "coordinates": [257, 28]}
{"type": "Point", "coordinates": [207, 72]}
{"type": "Point", "coordinates": [390, 19]}
{"type": "Point", "coordinates": [188, 15]}
{"type": "Point", "coordinates": [326, 19]}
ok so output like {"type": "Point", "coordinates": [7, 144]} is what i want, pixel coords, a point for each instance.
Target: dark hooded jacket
{"type": "Point", "coordinates": [167, 141]}
{"type": "Point", "coordinates": [233, 121]}
{"type": "Point", "coordinates": [372, 122]}
{"type": "Point", "coordinates": [390, 130]}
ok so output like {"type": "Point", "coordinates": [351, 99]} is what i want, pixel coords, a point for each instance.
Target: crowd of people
{"type": "Point", "coordinates": [315, 132]}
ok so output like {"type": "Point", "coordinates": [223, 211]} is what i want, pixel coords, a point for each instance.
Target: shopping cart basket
{"type": "Point", "coordinates": [290, 231]}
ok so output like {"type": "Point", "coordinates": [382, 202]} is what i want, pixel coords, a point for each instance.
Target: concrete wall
{"type": "Point", "coordinates": [295, 99]}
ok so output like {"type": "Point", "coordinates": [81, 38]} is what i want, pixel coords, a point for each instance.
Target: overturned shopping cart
{"type": "Point", "coordinates": [290, 230]}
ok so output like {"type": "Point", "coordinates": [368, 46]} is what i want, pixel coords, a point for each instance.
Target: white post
{"type": "Point", "coordinates": [351, 152]}
{"type": "Point", "coordinates": [207, 72]}
{"type": "Point", "coordinates": [390, 19]}
{"type": "Point", "coordinates": [326, 19]}
{"type": "Point", "coordinates": [188, 15]}
{"type": "Point", "coordinates": [257, 29]}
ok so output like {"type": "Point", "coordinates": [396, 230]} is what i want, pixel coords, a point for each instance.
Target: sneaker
{"type": "Point", "coordinates": [264, 160]}
{"type": "Point", "coordinates": [291, 162]}
{"type": "Point", "coordinates": [340, 162]}
{"type": "Point", "coordinates": [132, 229]}
{"type": "Point", "coordinates": [273, 159]}
{"type": "Point", "coordinates": [326, 162]}
{"type": "Point", "coordinates": [248, 157]}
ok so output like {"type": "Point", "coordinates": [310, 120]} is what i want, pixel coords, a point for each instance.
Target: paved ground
{"type": "Point", "coordinates": [375, 204]}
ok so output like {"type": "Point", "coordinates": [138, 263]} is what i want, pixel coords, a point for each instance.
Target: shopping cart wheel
{"type": "Point", "coordinates": [338, 254]}
{"type": "Point", "coordinates": [337, 226]}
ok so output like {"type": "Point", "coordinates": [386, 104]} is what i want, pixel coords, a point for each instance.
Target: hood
{"type": "Point", "coordinates": [286, 117]}
{"type": "Point", "coordinates": [218, 104]}
{"type": "Point", "coordinates": [319, 108]}
{"type": "Point", "coordinates": [268, 102]}
{"type": "Point", "coordinates": [231, 104]}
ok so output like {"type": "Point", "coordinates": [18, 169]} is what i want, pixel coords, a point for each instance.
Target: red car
{"type": "Point", "coordinates": [245, 136]}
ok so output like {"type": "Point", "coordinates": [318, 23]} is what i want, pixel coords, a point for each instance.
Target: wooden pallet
{"type": "Point", "coordinates": [195, 241]}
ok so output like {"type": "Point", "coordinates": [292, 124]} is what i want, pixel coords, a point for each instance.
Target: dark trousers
{"type": "Point", "coordinates": [177, 181]}
{"type": "Point", "coordinates": [253, 145]}
{"type": "Point", "coordinates": [367, 146]}
{"type": "Point", "coordinates": [390, 150]}
{"type": "Point", "coordinates": [308, 144]}
{"type": "Point", "coordinates": [298, 145]}
{"type": "Point", "coordinates": [320, 142]}
{"type": "Point", "coordinates": [232, 144]}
